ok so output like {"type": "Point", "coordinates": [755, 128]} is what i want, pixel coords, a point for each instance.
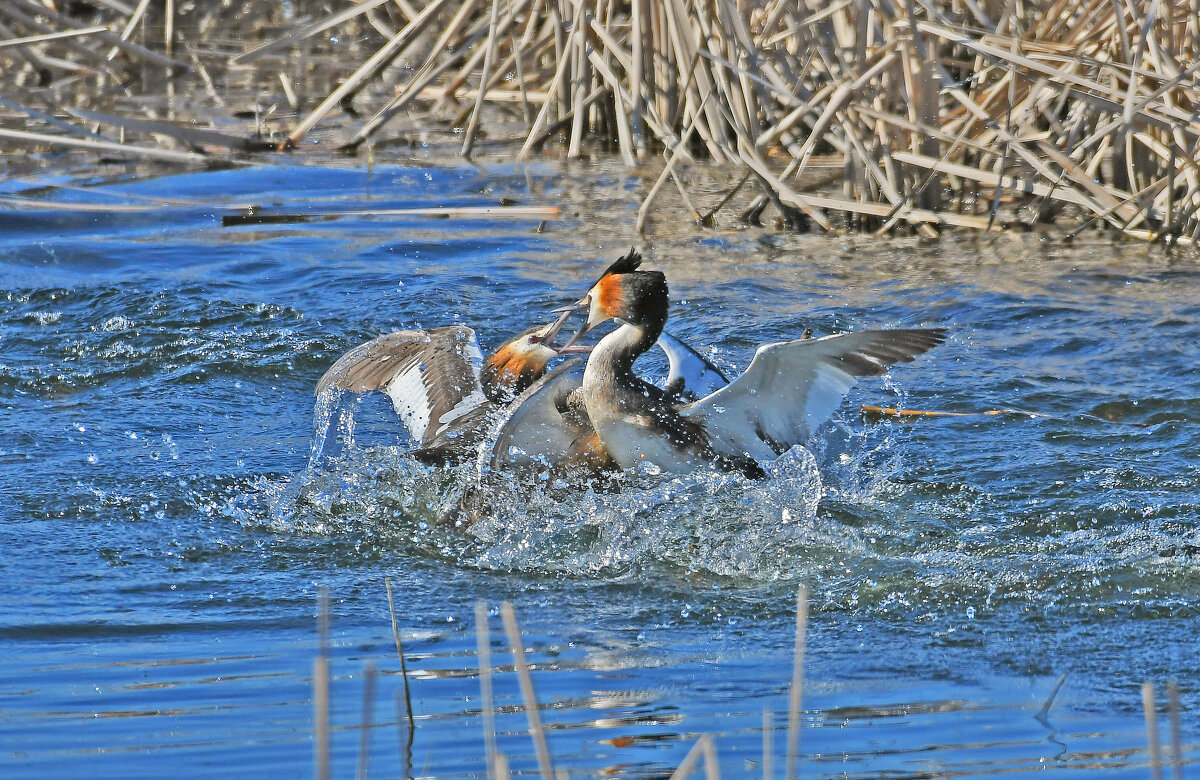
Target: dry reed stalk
{"type": "Point", "coordinates": [1082, 106]}
{"type": "Point", "coordinates": [169, 27]}
{"type": "Point", "coordinates": [131, 24]}
{"type": "Point", "coordinates": [186, 133]}
{"type": "Point", "coordinates": [668, 170]}
{"type": "Point", "coordinates": [164, 155]}
{"type": "Point", "coordinates": [368, 69]}
{"type": "Point", "coordinates": [306, 31]}
{"type": "Point", "coordinates": [1176, 731]}
{"type": "Point", "coordinates": [791, 767]}
{"type": "Point", "coordinates": [419, 82]}
{"type": "Point", "coordinates": [712, 767]}
{"type": "Point", "coordinates": [408, 708]}
{"type": "Point", "coordinates": [489, 56]}
{"type": "Point", "coordinates": [47, 118]}
{"type": "Point", "coordinates": [1149, 709]}
{"type": "Point", "coordinates": [255, 216]}
{"type": "Point", "coordinates": [536, 731]}
{"type": "Point", "coordinates": [364, 737]}
{"type": "Point", "coordinates": [30, 40]}
{"type": "Point", "coordinates": [321, 690]}
{"type": "Point", "coordinates": [108, 37]}
{"type": "Point", "coordinates": [37, 64]}
{"type": "Point", "coordinates": [579, 58]}
{"type": "Point", "coordinates": [688, 765]}
{"type": "Point", "coordinates": [768, 756]}
{"type": "Point", "coordinates": [483, 648]}
{"type": "Point", "coordinates": [17, 16]}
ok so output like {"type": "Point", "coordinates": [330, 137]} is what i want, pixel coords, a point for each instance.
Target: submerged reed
{"type": "Point", "coordinates": [976, 113]}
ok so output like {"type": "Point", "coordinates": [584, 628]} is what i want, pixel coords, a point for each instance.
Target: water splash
{"type": "Point", "coordinates": [707, 522]}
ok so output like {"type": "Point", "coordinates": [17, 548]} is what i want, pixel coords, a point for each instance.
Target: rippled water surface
{"type": "Point", "coordinates": [166, 534]}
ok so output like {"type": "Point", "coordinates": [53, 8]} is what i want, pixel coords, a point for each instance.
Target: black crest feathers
{"type": "Point", "coordinates": [623, 265]}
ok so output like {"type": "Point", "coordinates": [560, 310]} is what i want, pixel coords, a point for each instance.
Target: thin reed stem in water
{"type": "Point", "coordinates": [483, 647]}
{"type": "Point", "coordinates": [688, 765]}
{"type": "Point", "coordinates": [536, 730]}
{"type": "Point", "coordinates": [364, 737]}
{"type": "Point", "coordinates": [791, 768]}
{"type": "Point", "coordinates": [768, 755]}
{"type": "Point", "coordinates": [321, 690]}
{"type": "Point", "coordinates": [1151, 712]}
{"type": "Point", "coordinates": [1176, 730]}
{"type": "Point", "coordinates": [387, 583]}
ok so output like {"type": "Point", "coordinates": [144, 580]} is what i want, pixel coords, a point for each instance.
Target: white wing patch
{"type": "Point", "coordinates": [464, 407]}
{"type": "Point", "coordinates": [410, 400]}
{"type": "Point", "coordinates": [792, 387]}
{"type": "Point", "coordinates": [431, 376]}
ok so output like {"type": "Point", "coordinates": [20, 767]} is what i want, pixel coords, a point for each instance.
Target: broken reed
{"type": "Point", "coordinates": [969, 113]}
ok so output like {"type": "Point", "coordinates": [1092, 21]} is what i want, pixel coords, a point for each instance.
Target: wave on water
{"type": "Point", "coordinates": [70, 340]}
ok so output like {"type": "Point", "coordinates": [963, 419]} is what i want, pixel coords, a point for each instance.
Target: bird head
{"type": "Point", "coordinates": [624, 293]}
{"type": "Point", "coordinates": [520, 361]}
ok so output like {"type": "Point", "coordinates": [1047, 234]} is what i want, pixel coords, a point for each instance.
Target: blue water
{"type": "Point", "coordinates": [166, 535]}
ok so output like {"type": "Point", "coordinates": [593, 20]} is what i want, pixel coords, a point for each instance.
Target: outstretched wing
{"type": "Point", "coordinates": [690, 375]}
{"type": "Point", "coordinates": [536, 430]}
{"type": "Point", "coordinates": [791, 387]}
{"type": "Point", "coordinates": [432, 376]}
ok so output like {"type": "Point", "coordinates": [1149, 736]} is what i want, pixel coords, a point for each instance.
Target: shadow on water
{"type": "Point", "coordinates": [170, 517]}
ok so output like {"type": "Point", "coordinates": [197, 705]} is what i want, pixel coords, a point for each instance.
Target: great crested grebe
{"type": "Point", "coordinates": [548, 424]}
{"type": "Point", "coordinates": [788, 390]}
{"type": "Point", "coordinates": [441, 385]}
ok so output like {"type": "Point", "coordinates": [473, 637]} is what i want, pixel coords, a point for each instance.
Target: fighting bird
{"type": "Point", "coordinates": [787, 391]}
{"type": "Point", "coordinates": [448, 394]}
{"type": "Point", "coordinates": [440, 383]}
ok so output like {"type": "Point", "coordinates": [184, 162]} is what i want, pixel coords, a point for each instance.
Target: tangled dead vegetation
{"type": "Point", "coordinates": [863, 114]}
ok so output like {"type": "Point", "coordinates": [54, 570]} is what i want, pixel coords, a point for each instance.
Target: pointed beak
{"type": "Point", "coordinates": [583, 303]}
{"type": "Point", "coordinates": [546, 338]}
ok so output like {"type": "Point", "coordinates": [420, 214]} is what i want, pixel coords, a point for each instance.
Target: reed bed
{"type": "Point", "coordinates": [877, 115]}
